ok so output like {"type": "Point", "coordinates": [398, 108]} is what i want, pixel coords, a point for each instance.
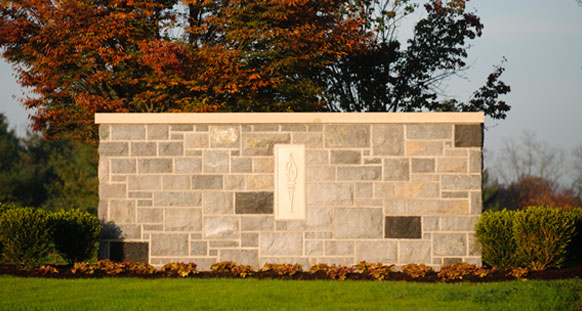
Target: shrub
{"type": "Point", "coordinates": [75, 234]}
{"type": "Point", "coordinates": [574, 251]}
{"type": "Point", "coordinates": [282, 269]}
{"type": "Point", "coordinates": [180, 269]}
{"type": "Point", "coordinates": [26, 236]}
{"type": "Point", "coordinates": [417, 271]}
{"type": "Point", "coordinates": [494, 230]}
{"type": "Point", "coordinates": [232, 268]}
{"type": "Point", "coordinates": [461, 270]}
{"type": "Point", "coordinates": [542, 235]}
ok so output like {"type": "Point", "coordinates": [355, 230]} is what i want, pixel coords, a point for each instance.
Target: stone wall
{"type": "Point", "coordinates": [395, 188]}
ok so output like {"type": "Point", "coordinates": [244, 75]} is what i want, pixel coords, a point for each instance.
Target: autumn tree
{"type": "Point", "coordinates": [84, 56]}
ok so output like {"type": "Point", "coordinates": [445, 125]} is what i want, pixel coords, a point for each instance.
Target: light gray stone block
{"type": "Point", "coordinates": [318, 235]}
{"type": "Point", "coordinates": [122, 211]}
{"type": "Point", "coordinates": [429, 131]}
{"type": "Point", "coordinates": [218, 203]}
{"type": "Point", "coordinates": [394, 207]}
{"type": "Point", "coordinates": [455, 194]}
{"type": "Point", "coordinates": [234, 182]}
{"type": "Point", "coordinates": [215, 161]}
{"type": "Point", "coordinates": [110, 191]}
{"type": "Point", "coordinates": [474, 245]}
{"type": "Point", "coordinates": [364, 190]}
{"type": "Point", "coordinates": [346, 157]}
{"type": "Point", "coordinates": [152, 166]}
{"type": "Point", "coordinates": [458, 223]}
{"type": "Point", "coordinates": [169, 244]}
{"type": "Point", "coordinates": [414, 252]}
{"type": "Point", "coordinates": [103, 170]}
{"type": "Point", "coordinates": [322, 194]}
{"type": "Point", "coordinates": [182, 127]}
{"type": "Point", "coordinates": [129, 231]}
{"type": "Point", "coordinates": [171, 149]}
{"type": "Point", "coordinates": [241, 165]}
{"type": "Point", "coordinates": [461, 182]}
{"type": "Point", "coordinates": [396, 169]}
{"type": "Point", "coordinates": [224, 136]}
{"type": "Point", "coordinates": [183, 219]}
{"type": "Point", "coordinates": [315, 219]}
{"type": "Point", "coordinates": [202, 128]}
{"type": "Point", "coordinates": [438, 207]}
{"type": "Point", "coordinates": [144, 182]}
{"type": "Point", "coordinates": [257, 223]}
{"type": "Point", "coordinates": [145, 202]}
{"type": "Point", "coordinates": [358, 223]}
{"type": "Point", "coordinates": [359, 173]}
{"type": "Point", "coordinates": [245, 257]}
{"type": "Point", "coordinates": [262, 144]}
{"type": "Point", "coordinates": [113, 149]}
{"type": "Point", "coordinates": [345, 136]}
{"type": "Point", "coordinates": [388, 140]}
{"type": "Point", "coordinates": [223, 244]}
{"type": "Point", "coordinates": [314, 248]}
{"type": "Point", "coordinates": [452, 165]}
{"type": "Point", "coordinates": [123, 166]}
{"type": "Point", "coordinates": [450, 244]}
{"type": "Point", "coordinates": [158, 132]}
{"type": "Point", "coordinates": [104, 132]}
{"type": "Point", "coordinates": [475, 161]}
{"type": "Point", "coordinates": [339, 248]}
{"type": "Point", "coordinates": [150, 215]}
{"type": "Point", "coordinates": [198, 248]}
{"type": "Point", "coordinates": [377, 251]}
{"type": "Point", "coordinates": [207, 182]}
{"type": "Point", "coordinates": [415, 189]}
{"type": "Point", "coordinates": [317, 173]}
{"type": "Point", "coordinates": [430, 223]}
{"type": "Point", "coordinates": [249, 239]}
{"type": "Point", "coordinates": [143, 149]}
{"type": "Point", "coordinates": [188, 165]}
{"type": "Point", "coordinates": [265, 128]}
{"type": "Point", "coordinates": [316, 157]}
{"type": "Point", "coordinates": [140, 195]}
{"type": "Point", "coordinates": [176, 198]}
{"type": "Point", "coordinates": [128, 132]}
{"type": "Point", "coordinates": [196, 140]}
{"type": "Point", "coordinates": [176, 182]}
{"type": "Point", "coordinates": [281, 244]}
{"type": "Point", "coordinates": [263, 165]}
{"type": "Point", "coordinates": [293, 128]}
{"type": "Point", "coordinates": [423, 165]}
{"type": "Point", "coordinates": [310, 140]}
{"type": "Point", "coordinates": [476, 203]}
{"type": "Point", "coordinates": [221, 227]}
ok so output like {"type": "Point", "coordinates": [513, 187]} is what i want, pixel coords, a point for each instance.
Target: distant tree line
{"type": "Point", "coordinates": [53, 175]}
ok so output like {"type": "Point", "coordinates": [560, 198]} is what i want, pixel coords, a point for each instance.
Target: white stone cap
{"type": "Point", "coordinates": [290, 117]}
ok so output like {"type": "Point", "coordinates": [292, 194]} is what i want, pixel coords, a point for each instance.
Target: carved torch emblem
{"type": "Point", "coordinates": [291, 179]}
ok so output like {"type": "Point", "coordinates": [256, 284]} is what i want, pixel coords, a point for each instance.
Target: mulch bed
{"type": "Point", "coordinates": [496, 276]}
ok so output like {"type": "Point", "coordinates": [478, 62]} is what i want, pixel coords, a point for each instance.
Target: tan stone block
{"type": "Point", "coordinates": [474, 261]}
{"type": "Point", "coordinates": [425, 177]}
{"type": "Point", "coordinates": [315, 219]}
{"type": "Point", "coordinates": [207, 182]}
{"type": "Point", "coordinates": [317, 157]}
{"type": "Point", "coordinates": [175, 198]}
{"type": "Point", "coordinates": [455, 194]}
{"type": "Point", "coordinates": [394, 207]}
{"type": "Point", "coordinates": [438, 207]}
{"type": "Point", "coordinates": [171, 149]}
{"type": "Point", "coordinates": [221, 227]}
{"type": "Point", "coordinates": [314, 248]}
{"type": "Point", "coordinates": [224, 136]}
{"type": "Point", "coordinates": [359, 173]}
{"type": "Point", "coordinates": [103, 170]}
{"type": "Point", "coordinates": [396, 169]}
{"type": "Point", "coordinates": [346, 157]}
{"type": "Point", "coordinates": [475, 161]}
{"type": "Point", "coordinates": [414, 252]}
{"type": "Point", "coordinates": [215, 161]}
{"type": "Point", "coordinates": [104, 132]}
{"type": "Point", "coordinates": [263, 165]}
{"type": "Point", "coordinates": [113, 149]}
{"type": "Point", "coordinates": [293, 128]}
{"type": "Point", "coordinates": [257, 223]}
{"type": "Point", "coordinates": [196, 140]}
{"type": "Point", "coordinates": [249, 239]}
{"type": "Point", "coordinates": [474, 245]}
{"type": "Point", "coordinates": [140, 195]}
{"type": "Point", "coordinates": [458, 223]}
{"type": "Point", "coordinates": [315, 173]}
{"type": "Point", "coordinates": [241, 257]}
{"type": "Point", "coordinates": [429, 131]}
{"type": "Point", "coordinates": [339, 248]}
{"type": "Point", "coordinates": [183, 219]}
{"type": "Point", "coordinates": [459, 153]}
{"type": "Point", "coordinates": [452, 165]}
{"type": "Point", "coordinates": [416, 190]}
{"type": "Point", "coordinates": [122, 211]}
{"type": "Point", "coordinates": [117, 178]}
{"type": "Point", "coordinates": [103, 210]}
{"type": "Point", "coordinates": [450, 244]}
{"type": "Point", "coordinates": [377, 251]}
{"type": "Point", "coordinates": [234, 182]}
{"type": "Point", "coordinates": [388, 140]}
{"type": "Point", "coordinates": [110, 191]}
{"type": "Point", "coordinates": [123, 166]}
{"type": "Point", "coordinates": [127, 132]}
{"type": "Point", "coordinates": [241, 165]}
{"type": "Point", "coordinates": [158, 132]}
{"type": "Point", "coordinates": [461, 182]}
{"type": "Point", "coordinates": [322, 194]}
{"type": "Point", "coordinates": [259, 182]}
{"type": "Point", "coordinates": [345, 136]}
{"type": "Point", "coordinates": [223, 244]}
{"type": "Point", "coordinates": [145, 202]}
{"type": "Point", "coordinates": [430, 223]}
{"type": "Point", "coordinates": [169, 244]}
{"type": "Point", "coordinates": [176, 182]}
{"type": "Point", "coordinates": [143, 149]}
{"type": "Point", "coordinates": [188, 165]}
{"type": "Point", "coordinates": [153, 166]}
{"type": "Point", "coordinates": [310, 140]}
{"type": "Point", "coordinates": [358, 223]}
{"type": "Point", "coordinates": [365, 202]}
{"type": "Point", "coordinates": [424, 148]}
{"type": "Point", "coordinates": [265, 128]}
{"type": "Point", "coordinates": [198, 248]}
{"type": "Point", "coordinates": [218, 203]}
{"type": "Point", "coordinates": [383, 190]}
{"type": "Point", "coordinates": [423, 165]}
{"type": "Point", "coordinates": [315, 127]}
{"type": "Point", "coordinates": [262, 144]}
{"type": "Point", "coordinates": [181, 127]}
{"type": "Point", "coordinates": [281, 244]}
{"type": "Point", "coordinates": [150, 215]}
{"type": "Point", "coordinates": [318, 235]}
{"type": "Point", "coordinates": [364, 190]}
{"type": "Point", "coordinates": [144, 182]}
{"type": "Point", "coordinates": [476, 203]}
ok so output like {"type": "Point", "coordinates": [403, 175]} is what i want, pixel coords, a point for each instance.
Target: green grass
{"type": "Point", "coordinates": [251, 294]}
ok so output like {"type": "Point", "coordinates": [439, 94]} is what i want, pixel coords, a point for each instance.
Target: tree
{"type": "Point", "coordinates": [577, 171]}
{"type": "Point", "coordinates": [85, 56]}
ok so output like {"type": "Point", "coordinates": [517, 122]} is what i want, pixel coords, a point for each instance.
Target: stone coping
{"type": "Point", "coordinates": [290, 117]}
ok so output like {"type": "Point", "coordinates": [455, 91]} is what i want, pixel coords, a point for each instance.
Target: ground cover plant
{"type": "Point", "coordinates": [249, 294]}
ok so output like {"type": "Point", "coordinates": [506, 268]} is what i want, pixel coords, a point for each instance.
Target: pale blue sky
{"type": "Point", "coordinates": [542, 41]}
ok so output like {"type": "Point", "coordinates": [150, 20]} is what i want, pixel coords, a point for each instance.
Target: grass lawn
{"type": "Point", "coordinates": [235, 294]}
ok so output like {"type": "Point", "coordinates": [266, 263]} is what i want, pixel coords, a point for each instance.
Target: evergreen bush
{"type": "Point", "coordinates": [542, 235]}
{"type": "Point", "coordinates": [26, 235]}
{"type": "Point", "coordinates": [495, 233]}
{"type": "Point", "coordinates": [75, 234]}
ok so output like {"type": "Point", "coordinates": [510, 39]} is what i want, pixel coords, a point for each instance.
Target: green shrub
{"type": "Point", "coordinates": [75, 234]}
{"type": "Point", "coordinates": [495, 233]}
{"type": "Point", "coordinates": [4, 207]}
{"type": "Point", "coordinates": [542, 235]}
{"type": "Point", "coordinates": [574, 251]}
{"type": "Point", "coordinates": [26, 235]}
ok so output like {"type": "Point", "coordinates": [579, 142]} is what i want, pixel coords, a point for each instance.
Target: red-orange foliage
{"type": "Point", "coordinates": [79, 57]}
{"type": "Point", "coordinates": [537, 191]}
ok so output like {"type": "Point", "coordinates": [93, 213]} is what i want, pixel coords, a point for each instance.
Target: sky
{"type": "Point", "coordinates": [542, 42]}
